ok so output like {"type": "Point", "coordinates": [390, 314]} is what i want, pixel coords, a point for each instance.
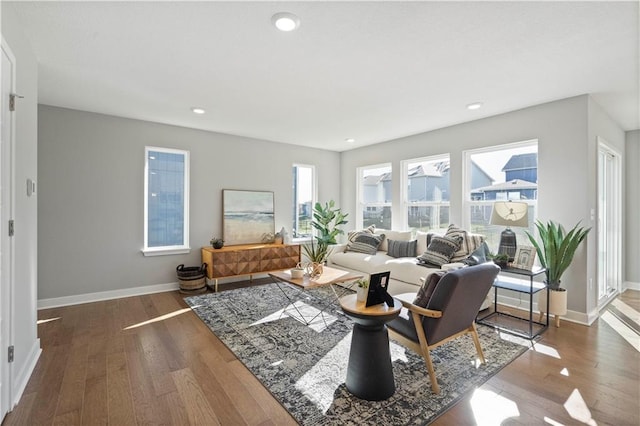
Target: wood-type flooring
{"type": "Point", "coordinates": [150, 360]}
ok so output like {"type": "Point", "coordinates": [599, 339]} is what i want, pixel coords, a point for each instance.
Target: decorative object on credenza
{"type": "Point", "coordinates": [277, 239]}
{"type": "Point", "coordinates": [525, 255]}
{"type": "Point", "coordinates": [509, 213]}
{"type": "Point", "coordinates": [248, 216]}
{"type": "Point", "coordinates": [217, 243]}
{"type": "Point", "coordinates": [555, 250]}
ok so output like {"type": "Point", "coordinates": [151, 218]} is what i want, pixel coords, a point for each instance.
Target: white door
{"type": "Point", "coordinates": [7, 76]}
{"type": "Point", "coordinates": [609, 223]}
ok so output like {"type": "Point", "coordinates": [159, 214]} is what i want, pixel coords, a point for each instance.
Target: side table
{"type": "Point", "coordinates": [369, 372]}
{"type": "Point", "coordinates": [525, 285]}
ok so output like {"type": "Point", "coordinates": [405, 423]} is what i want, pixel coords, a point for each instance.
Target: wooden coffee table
{"type": "Point", "coordinates": [369, 372]}
{"type": "Point", "coordinates": [330, 277]}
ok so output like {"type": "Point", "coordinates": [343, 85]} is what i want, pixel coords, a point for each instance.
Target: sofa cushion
{"type": "Point", "coordinates": [392, 235]}
{"type": "Point", "coordinates": [426, 290]}
{"type": "Point", "coordinates": [401, 248]}
{"type": "Point", "coordinates": [440, 250]}
{"type": "Point", "coordinates": [361, 262]}
{"type": "Point", "coordinates": [364, 242]}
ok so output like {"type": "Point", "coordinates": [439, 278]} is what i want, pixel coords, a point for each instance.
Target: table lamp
{"type": "Point", "coordinates": [509, 213]}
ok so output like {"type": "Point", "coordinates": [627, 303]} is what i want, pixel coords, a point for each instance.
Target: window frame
{"type": "Point", "coordinates": [405, 205]}
{"type": "Point", "coordinates": [361, 205]}
{"type": "Point", "coordinates": [314, 199]}
{"type": "Point", "coordinates": [466, 182]}
{"type": "Point", "coordinates": [173, 249]}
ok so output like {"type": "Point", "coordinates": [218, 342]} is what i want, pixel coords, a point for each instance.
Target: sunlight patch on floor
{"type": "Point", "coordinates": [552, 422]}
{"type": "Point", "coordinates": [160, 318]}
{"type": "Point", "coordinates": [317, 385]}
{"type": "Point", "coordinates": [546, 350]}
{"type": "Point", "coordinates": [44, 321]}
{"type": "Point", "coordinates": [489, 408]}
{"type": "Point", "coordinates": [622, 329]}
{"type": "Point", "coordinates": [627, 310]}
{"type": "Point", "coordinates": [311, 316]}
{"type": "Point", "coordinates": [565, 372]}
{"type": "Point", "coordinates": [577, 408]}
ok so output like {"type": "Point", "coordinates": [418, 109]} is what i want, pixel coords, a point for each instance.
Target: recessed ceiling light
{"type": "Point", "coordinates": [198, 110]}
{"type": "Point", "coordinates": [285, 21]}
{"type": "Point", "coordinates": [350, 140]}
{"type": "Point", "coordinates": [475, 105]}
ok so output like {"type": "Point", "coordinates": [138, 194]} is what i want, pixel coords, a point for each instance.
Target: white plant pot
{"type": "Point", "coordinates": [557, 304]}
{"type": "Point", "coordinates": [361, 294]}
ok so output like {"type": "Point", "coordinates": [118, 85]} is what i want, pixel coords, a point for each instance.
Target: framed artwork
{"type": "Point", "coordinates": [525, 255]}
{"type": "Point", "coordinates": [248, 216]}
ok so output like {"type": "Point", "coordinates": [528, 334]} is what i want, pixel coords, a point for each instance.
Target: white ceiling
{"type": "Point", "coordinates": [372, 71]}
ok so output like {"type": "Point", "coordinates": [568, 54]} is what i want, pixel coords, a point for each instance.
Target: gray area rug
{"type": "Point", "coordinates": [304, 367]}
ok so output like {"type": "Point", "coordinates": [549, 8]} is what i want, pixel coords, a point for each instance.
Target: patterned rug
{"type": "Point", "coordinates": [304, 367]}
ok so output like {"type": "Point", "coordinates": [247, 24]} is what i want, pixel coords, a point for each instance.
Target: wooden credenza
{"type": "Point", "coordinates": [233, 261]}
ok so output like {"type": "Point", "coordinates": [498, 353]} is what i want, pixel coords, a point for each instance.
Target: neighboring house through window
{"type": "Point", "coordinates": [374, 196]}
{"type": "Point", "coordinates": [500, 173]}
{"type": "Point", "coordinates": [166, 201]}
{"type": "Point", "coordinates": [426, 197]}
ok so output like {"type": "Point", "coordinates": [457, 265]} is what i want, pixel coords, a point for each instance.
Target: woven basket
{"type": "Point", "coordinates": [192, 279]}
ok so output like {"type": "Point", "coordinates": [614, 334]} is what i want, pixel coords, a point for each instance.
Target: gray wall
{"type": "Point", "coordinates": [24, 297]}
{"type": "Point", "coordinates": [566, 158]}
{"type": "Point", "coordinates": [91, 195]}
{"type": "Point", "coordinates": [632, 232]}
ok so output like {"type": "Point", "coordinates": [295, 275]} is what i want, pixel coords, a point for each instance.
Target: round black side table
{"type": "Point", "coordinates": [369, 372]}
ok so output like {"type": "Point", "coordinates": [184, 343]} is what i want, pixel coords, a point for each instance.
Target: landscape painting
{"type": "Point", "coordinates": [248, 216]}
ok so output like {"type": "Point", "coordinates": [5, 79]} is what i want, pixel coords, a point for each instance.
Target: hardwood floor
{"type": "Point", "coordinates": [150, 360]}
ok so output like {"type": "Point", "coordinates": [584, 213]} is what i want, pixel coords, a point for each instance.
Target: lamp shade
{"type": "Point", "coordinates": [510, 213]}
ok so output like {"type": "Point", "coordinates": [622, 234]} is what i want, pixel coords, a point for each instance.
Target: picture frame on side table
{"type": "Point", "coordinates": [525, 256]}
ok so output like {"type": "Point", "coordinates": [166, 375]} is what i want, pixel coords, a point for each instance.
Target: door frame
{"type": "Point", "coordinates": [615, 214]}
{"type": "Point", "coordinates": [7, 278]}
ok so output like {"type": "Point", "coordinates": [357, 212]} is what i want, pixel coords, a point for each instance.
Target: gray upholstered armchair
{"type": "Point", "coordinates": [449, 313]}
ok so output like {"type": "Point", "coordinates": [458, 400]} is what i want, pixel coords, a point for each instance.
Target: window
{"type": "Point", "coordinates": [426, 200]}
{"type": "Point", "coordinates": [304, 198]}
{"type": "Point", "coordinates": [374, 195]}
{"type": "Point", "coordinates": [500, 173]}
{"type": "Point", "coordinates": [166, 201]}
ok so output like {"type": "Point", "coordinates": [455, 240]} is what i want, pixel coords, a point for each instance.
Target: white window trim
{"type": "Point", "coordinates": [404, 185]}
{"type": "Point", "coordinates": [167, 250]}
{"type": "Point", "coordinates": [314, 198]}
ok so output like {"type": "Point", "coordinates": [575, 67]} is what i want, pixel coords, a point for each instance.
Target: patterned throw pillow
{"type": "Point", "coordinates": [364, 242]}
{"type": "Point", "coordinates": [371, 229]}
{"type": "Point", "coordinates": [427, 288]}
{"type": "Point", "coordinates": [440, 250]}
{"type": "Point", "coordinates": [402, 248]}
{"type": "Point", "coordinates": [469, 243]}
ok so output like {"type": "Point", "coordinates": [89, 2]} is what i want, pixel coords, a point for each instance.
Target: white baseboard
{"type": "Point", "coordinates": [105, 295]}
{"type": "Point", "coordinates": [523, 304]}
{"type": "Point", "coordinates": [629, 285]}
{"type": "Point", "coordinates": [21, 379]}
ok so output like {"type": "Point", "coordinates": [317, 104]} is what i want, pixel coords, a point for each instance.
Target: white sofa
{"type": "Point", "coordinates": [406, 272]}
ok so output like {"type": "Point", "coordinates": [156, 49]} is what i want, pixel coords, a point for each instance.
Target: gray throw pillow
{"type": "Point", "coordinates": [440, 250]}
{"type": "Point", "coordinates": [427, 288]}
{"type": "Point", "coordinates": [402, 248]}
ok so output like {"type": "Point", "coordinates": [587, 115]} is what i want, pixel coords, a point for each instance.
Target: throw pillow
{"type": "Point", "coordinates": [470, 242]}
{"type": "Point", "coordinates": [440, 250]}
{"type": "Point", "coordinates": [392, 235]}
{"type": "Point", "coordinates": [402, 248]}
{"type": "Point", "coordinates": [478, 256]}
{"type": "Point", "coordinates": [370, 229]}
{"type": "Point", "coordinates": [427, 288]}
{"type": "Point", "coordinates": [364, 242]}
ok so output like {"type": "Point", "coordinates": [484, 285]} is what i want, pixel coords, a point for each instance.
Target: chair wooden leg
{"type": "Point", "coordinates": [476, 342]}
{"type": "Point", "coordinates": [424, 347]}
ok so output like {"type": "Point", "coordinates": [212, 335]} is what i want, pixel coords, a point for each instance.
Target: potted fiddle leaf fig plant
{"type": "Point", "coordinates": [326, 221]}
{"type": "Point", "coordinates": [556, 249]}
